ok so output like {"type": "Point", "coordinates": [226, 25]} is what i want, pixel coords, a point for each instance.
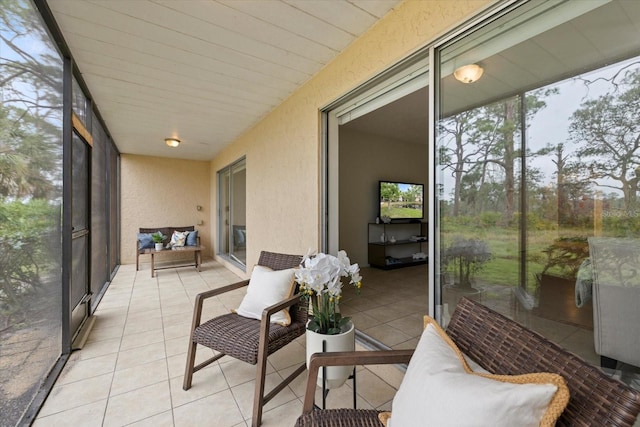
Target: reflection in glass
{"type": "Point", "coordinates": [616, 297]}
{"type": "Point", "coordinates": [238, 212]}
{"type": "Point", "coordinates": [232, 230]}
{"type": "Point", "coordinates": [538, 157]}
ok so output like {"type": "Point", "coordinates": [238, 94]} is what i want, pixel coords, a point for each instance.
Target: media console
{"type": "Point", "coordinates": [397, 244]}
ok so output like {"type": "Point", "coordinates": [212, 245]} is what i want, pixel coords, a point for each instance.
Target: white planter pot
{"type": "Point", "coordinates": [159, 246]}
{"type": "Point", "coordinates": [346, 341]}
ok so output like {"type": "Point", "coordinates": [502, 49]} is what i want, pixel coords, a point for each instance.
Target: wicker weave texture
{"type": "Point", "coordinates": [276, 261]}
{"type": "Point", "coordinates": [505, 347]}
{"type": "Point", "coordinates": [238, 336]}
{"type": "Point", "coordinates": [340, 418]}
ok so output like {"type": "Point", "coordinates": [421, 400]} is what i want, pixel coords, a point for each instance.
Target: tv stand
{"type": "Point", "coordinates": [397, 244]}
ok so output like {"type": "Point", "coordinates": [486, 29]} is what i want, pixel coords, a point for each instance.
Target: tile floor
{"type": "Point", "coordinates": [391, 305]}
{"type": "Point", "coordinates": [130, 370]}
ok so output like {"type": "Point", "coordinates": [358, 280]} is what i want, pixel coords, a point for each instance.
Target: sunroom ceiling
{"type": "Point", "coordinates": [204, 71]}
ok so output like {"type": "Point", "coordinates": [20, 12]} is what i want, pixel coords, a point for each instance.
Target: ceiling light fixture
{"type": "Point", "coordinates": [172, 142]}
{"type": "Point", "coordinates": [468, 73]}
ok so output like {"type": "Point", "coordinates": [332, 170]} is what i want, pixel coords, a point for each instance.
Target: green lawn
{"type": "Point", "coordinates": [394, 212]}
{"type": "Point", "coordinates": [504, 244]}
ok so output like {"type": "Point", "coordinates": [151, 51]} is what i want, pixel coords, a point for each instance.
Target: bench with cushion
{"type": "Point", "coordinates": [145, 246]}
{"type": "Point", "coordinates": [500, 346]}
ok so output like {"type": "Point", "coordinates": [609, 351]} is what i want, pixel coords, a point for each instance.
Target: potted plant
{"type": "Point", "coordinates": [158, 239]}
{"type": "Point", "coordinates": [320, 278]}
{"type": "Point", "coordinates": [467, 256]}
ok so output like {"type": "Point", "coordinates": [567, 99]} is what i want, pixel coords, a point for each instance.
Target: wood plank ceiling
{"type": "Point", "coordinates": [204, 71]}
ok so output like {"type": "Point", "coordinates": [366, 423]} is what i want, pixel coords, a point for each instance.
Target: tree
{"type": "Point", "coordinates": [458, 152]}
{"type": "Point", "coordinates": [29, 154]}
{"type": "Point", "coordinates": [504, 124]}
{"type": "Point", "coordinates": [414, 193]}
{"type": "Point", "coordinates": [607, 132]}
{"type": "Point", "coordinates": [30, 159]}
{"type": "Point", "coordinates": [389, 192]}
{"type": "Point", "coordinates": [485, 136]}
{"type": "Point", "coordinates": [26, 245]}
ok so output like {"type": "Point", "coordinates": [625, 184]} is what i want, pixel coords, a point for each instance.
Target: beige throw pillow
{"type": "Point", "coordinates": [440, 389]}
{"type": "Point", "coordinates": [268, 287]}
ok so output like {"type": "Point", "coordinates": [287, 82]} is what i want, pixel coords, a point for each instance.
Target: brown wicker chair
{"type": "Point", "coordinates": [501, 346]}
{"type": "Point", "coordinates": [249, 340]}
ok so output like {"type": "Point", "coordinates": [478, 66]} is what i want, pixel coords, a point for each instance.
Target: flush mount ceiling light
{"type": "Point", "coordinates": [468, 73]}
{"type": "Point", "coordinates": [172, 142]}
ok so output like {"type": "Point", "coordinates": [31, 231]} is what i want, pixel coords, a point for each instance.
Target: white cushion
{"type": "Point", "coordinates": [268, 287]}
{"type": "Point", "coordinates": [439, 389]}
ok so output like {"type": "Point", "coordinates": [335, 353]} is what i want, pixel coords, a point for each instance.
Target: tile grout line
{"type": "Point", "coordinates": [173, 416]}
{"type": "Point", "coordinates": [106, 406]}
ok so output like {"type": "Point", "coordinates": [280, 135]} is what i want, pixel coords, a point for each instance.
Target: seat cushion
{"type": "Point", "coordinates": [239, 336]}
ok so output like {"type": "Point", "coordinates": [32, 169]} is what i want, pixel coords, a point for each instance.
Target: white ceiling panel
{"type": "Point", "coordinates": [376, 8]}
{"type": "Point", "coordinates": [299, 22]}
{"type": "Point", "coordinates": [346, 16]}
{"type": "Point", "coordinates": [202, 70]}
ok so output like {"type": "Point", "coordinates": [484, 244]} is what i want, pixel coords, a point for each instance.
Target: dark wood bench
{"type": "Point", "coordinates": [501, 346]}
{"type": "Point", "coordinates": [168, 232]}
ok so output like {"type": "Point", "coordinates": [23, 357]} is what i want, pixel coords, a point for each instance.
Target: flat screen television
{"type": "Point", "coordinates": [401, 200]}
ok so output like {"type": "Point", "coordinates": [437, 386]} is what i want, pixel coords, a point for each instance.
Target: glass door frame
{"type": "Point", "coordinates": [226, 203]}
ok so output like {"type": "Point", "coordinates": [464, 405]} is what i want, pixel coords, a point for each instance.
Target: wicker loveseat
{"type": "Point", "coordinates": [501, 346]}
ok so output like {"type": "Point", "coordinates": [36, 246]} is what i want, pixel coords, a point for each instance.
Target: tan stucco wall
{"type": "Point", "coordinates": [157, 192]}
{"type": "Point", "coordinates": [283, 149]}
{"type": "Point", "coordinates": [367, 160]}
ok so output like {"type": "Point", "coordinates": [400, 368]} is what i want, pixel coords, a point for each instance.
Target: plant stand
{"type": "Point", "coordinates": [325, 390]}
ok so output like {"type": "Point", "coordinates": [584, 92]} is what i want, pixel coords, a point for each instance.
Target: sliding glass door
{"type": "Point", "coordinates": [538, 166]}
{"type": "Point", "coordinates": [232, 230]}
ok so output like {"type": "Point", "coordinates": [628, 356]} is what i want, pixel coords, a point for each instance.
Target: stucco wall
{"type": "Point", "coordinates": [283, 149]}
{"type": "Point", "coordinates": [364, 160]}
{"type": "Point", "coordinates": [160, 192]}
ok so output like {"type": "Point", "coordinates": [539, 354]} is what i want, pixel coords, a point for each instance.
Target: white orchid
{"type": "Point", "coordinates": [321, 276]}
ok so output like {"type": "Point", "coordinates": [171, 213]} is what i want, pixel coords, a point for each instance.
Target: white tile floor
{"type": "Point", "coordinates": [130, 371]}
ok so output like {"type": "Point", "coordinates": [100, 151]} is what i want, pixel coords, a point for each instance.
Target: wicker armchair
{"type": "Point", "coordinates": [249, 340]}
{"type": "Point", "coordinates": [501, 346]}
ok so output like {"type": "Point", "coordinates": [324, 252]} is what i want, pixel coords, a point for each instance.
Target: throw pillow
{"type": "Point", "coordinates": [145, 241]}
{"type": "Point", "coordinates": [192, 238]}
{"type": "Point", "coordinates": [268, 287]}
{"type": "Point", "coordinates": [238, 235]}
{"type": "Point", "coordinates": [439, 388]}
{"type": "Point", "coordinates": [179, 238]}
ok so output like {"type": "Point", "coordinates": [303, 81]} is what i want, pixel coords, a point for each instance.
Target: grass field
{"type": "Point", "coordinates": [399, 212]}
{"type": "Point", "coordinates": [504, 243]}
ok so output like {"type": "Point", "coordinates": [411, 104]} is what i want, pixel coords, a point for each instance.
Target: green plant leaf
{"type": "Point", "coordinates": [313, 326]}
{"type": "Point", "coordinates": [344, 322]}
